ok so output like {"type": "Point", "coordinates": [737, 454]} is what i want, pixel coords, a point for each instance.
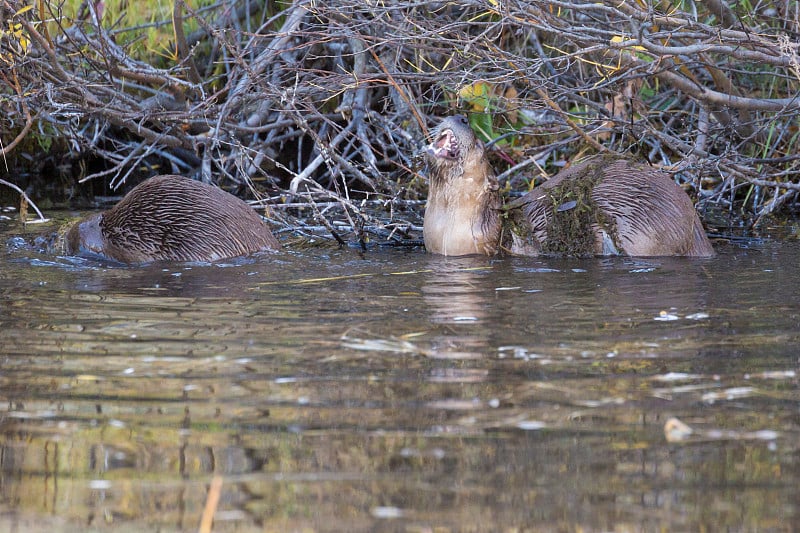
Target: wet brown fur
{"type": "Point", "coordinates": [634, 208]}
{"type": "Point", "coordinates": [172, 218]}
{"type": "Point", "coordinates": [462, 213]}
{"type": "Point", "coordinates": [602, 206]}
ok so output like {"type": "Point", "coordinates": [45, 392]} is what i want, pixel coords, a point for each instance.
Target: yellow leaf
{"type": "Point", "coordinates": [618, 39]}
{"type": "Point", "coordinates": [477, 95]}
{"type": "Point", "coordinates": [23, 10]}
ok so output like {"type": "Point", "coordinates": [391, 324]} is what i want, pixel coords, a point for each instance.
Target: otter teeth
{"type": "Point", "coordinates": [445, 145]}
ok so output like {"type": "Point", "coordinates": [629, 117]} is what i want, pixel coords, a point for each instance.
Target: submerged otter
{"type": "Point", "coordinates": [603, 206]}
{"type": "Point", "coordinates": [172, 218]}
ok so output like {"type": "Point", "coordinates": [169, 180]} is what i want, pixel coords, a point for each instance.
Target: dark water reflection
{"type": "Point", "coordinates": [402, 392]}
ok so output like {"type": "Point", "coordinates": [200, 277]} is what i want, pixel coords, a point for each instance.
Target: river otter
{"type": "Point", "coordinates": [462, 216]}
{"type": "Point", "coordinates": [603, 206]}
{"type": "Point", "coordinates": [171, 218]}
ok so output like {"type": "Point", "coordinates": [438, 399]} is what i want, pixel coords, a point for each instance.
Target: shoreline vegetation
{"type": "Point", "coordinates": [318, 109]}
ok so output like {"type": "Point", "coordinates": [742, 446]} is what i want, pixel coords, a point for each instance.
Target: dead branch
{"type": "Point", "coordinates": [329, 101]}
{"type": "Point", "coordinates": [25, 197]}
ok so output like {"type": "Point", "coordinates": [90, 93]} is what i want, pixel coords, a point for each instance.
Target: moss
{"type": "Point", "coordinates": [573, 217]}
{"type": "Point", "coordinates": [55, 242]}
{"type": "Point", "coordinates": [575, 214]}
{"type": "Point", "coordinates": [516, 235]}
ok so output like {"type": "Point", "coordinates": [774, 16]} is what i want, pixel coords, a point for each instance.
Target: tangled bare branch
{"type": "Point", "coordinates": [329, 100]}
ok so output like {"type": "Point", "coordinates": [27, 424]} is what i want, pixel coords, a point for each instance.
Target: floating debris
{"type": "Point", "coordinates": [210, 508]}
{"type": "Point", "coordinates": [676, 431]}
{"type": "Point", "coordinates": [665, 316]}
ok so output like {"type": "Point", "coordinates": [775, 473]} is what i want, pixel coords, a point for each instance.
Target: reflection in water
{"type": "Point", "coordinates": [456, 292]}
{"type": "Point", "coordinates": [400, 392]}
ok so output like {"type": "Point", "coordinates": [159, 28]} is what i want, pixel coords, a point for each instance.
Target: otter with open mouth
{"type": "Point", "coordinates": [462, 215]}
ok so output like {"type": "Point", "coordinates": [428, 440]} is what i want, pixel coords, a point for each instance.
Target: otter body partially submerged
{"type": "Point", "coordinates": [611, 206]}
{"type": "Point", "coordinates": [603, 206]}
{"type": "Point", "coordinates": [172, 218]}
{"type": "Point", "coordinates": [461, 217]}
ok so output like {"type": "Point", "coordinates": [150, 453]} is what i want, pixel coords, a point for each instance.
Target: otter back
{"type": "Point", "coordinates": [607, 206]}
{"type": "Point", "coordinates": [172, 218]}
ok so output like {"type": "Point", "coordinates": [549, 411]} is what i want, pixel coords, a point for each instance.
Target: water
{"type": "Point", "coordinates": [331, 390]}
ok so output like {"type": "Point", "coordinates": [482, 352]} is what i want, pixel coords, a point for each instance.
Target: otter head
{"type": "Point", "coordinates": [454, 147]}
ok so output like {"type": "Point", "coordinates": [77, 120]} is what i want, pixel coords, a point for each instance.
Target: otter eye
{"type": "Point", "coordinates": [462, 119]}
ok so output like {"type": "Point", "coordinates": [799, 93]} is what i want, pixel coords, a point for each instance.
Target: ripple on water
{"type": "Point", "coordinates": [341, 391]}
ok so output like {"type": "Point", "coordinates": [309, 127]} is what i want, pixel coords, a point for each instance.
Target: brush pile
{"type": "Point", "coordinates": [324, 103]}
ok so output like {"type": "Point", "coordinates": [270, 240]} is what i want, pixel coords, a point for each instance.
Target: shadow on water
{"type": "Point", "coordinates": [399, 391]}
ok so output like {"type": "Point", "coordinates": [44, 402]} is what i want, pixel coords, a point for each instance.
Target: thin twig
{"type": "Point", "coordinates": [26, 197]}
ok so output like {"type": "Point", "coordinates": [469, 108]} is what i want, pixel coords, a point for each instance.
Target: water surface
{"type": "Point", "coordinates": [333, 390]}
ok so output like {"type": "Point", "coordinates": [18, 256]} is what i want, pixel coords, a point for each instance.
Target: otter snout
{"type": "Point", "coordinates": [452, 139]}
{"type": "Point", "coordinates": [444, 146]}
